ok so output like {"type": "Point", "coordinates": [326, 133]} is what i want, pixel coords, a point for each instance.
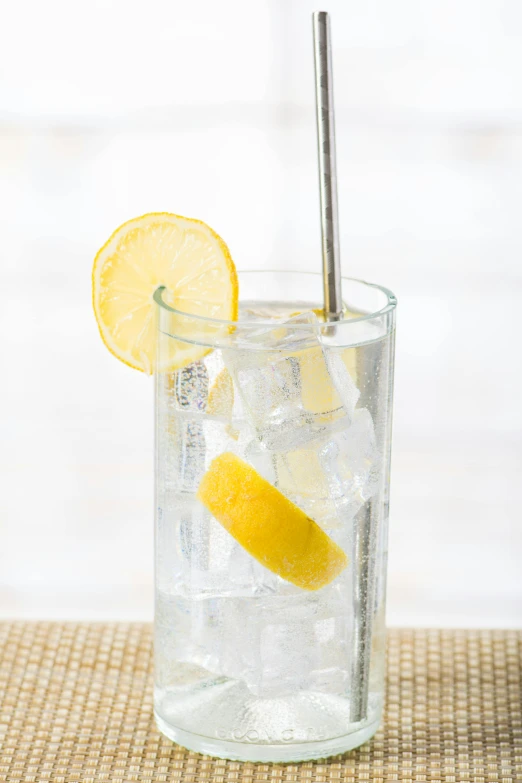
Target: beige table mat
{"type": "Point", "coordinates": [76, 705]}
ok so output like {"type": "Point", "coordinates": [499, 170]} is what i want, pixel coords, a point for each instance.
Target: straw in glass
{"type": "Point", "coordinates": [333, 310]}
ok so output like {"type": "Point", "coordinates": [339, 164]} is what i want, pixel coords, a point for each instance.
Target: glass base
{"type": "Point", "coordinates": [245, 751]}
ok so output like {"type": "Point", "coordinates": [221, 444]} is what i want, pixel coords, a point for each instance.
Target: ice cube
{"type": "Point", "coordinates": [180, 427]}
{"type": "Point", "coordinates": [198, 558]}
{"type": "Point", "coordinates": [187, 389]}
{"type": "Point", "coordinates": [338, 361]}
{"type": "Point", "coordinates": [300, 477]}
{"type": "Point", "coordinates": [191, 442]}
{"type": "Point", "coordinates": [220, 635]}
{"type": "Point", "coordinates": [276, 644]}
{"type": "Point", "coordinates": [305, 644]}
{"type": "Point", "coordinates": [350, 463]}
{"type": "Point", "coordinates": [193, 550]}
{"type": "Point", "coordinates": [257, 454]}
{"type": "Point", "coordinates": [195, 632]}
{"type": "Point", "coordinates": [294, 390]}
{"type": "Point", "coordinates": [249, 576]}
{"type": "Point", "coordinates": [330, 479]}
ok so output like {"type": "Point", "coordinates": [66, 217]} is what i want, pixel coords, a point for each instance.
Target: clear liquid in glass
{"type": "Point", "coordinates": [247, 665]}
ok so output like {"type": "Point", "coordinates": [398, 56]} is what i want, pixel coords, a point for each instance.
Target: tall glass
{"type": "Point", "coordinates": [264, 653]}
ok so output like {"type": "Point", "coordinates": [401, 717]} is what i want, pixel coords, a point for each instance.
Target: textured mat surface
{"type": "Point", "coordinates": [76, 706]}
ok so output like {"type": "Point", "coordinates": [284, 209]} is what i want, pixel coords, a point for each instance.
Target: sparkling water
{"type": "Point", "coordinates": [242, 656]}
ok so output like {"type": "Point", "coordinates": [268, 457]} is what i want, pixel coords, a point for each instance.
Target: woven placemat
{"type": "Point", "coordinates": [76, 706]}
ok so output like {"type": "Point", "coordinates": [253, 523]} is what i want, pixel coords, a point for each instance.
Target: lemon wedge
{"type": "Point", "coordinates": [268, 525]}
{"type": "Point", "coordinates": [160, 249]}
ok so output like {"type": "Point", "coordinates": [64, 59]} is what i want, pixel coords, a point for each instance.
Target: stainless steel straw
{"type": "Point", "coordinates": [324, 103]}
{"type": "Point", "coordinates": [333, 308]}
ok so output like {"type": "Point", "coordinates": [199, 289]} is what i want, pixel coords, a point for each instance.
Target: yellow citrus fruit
{"type": "Point", "coordinates": [317, 390]}
{"type": "Point", "coordinates": [220, 400]}
{"type": "Point", "coordinates": [221, 395]}
{"type": "Point", "coordinates": [160, 249]}
{"type": "Point", "coordinates": [269, 526]}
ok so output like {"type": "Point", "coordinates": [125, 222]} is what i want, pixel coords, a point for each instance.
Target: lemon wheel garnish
{"type": "Point", "coordinates": [160, 249]}
{"type": "Point", "coordinates": [268, 525]}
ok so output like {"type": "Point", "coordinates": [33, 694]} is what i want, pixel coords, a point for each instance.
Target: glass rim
{"type": "Point", "coordinates": [390, 305]}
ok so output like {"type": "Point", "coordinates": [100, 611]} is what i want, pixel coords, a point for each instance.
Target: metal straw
{"type": "Point", "coordinates": [324, 103]}
{"type": "Point", "coordinates": [333, 310]}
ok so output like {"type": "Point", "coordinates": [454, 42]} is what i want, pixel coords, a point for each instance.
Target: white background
{"type": "Point", "coordinates": [112, 109]}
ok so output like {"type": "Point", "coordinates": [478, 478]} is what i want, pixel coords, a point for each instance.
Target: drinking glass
{"type": "Point", "coordinates": [252, 661]}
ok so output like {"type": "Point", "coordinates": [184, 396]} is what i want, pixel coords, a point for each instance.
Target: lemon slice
{"type": "Point", "coordinates": [269, 526]}
{"type": "Point", "coordinates": [318, 392]}
{"type": "Point", "coordinates": [220, 400]}
{"type": "Point", "coordinates": [160, 249]}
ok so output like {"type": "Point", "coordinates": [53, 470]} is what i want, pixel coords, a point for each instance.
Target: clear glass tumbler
{"type": "Point", "coordinates": [271, 571]}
